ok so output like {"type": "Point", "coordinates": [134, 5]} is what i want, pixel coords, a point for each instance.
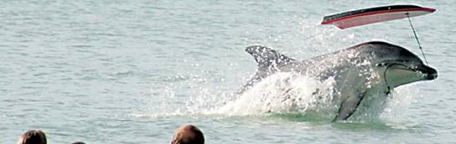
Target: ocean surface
{"type": "Point", "coordinates": [129, 72]}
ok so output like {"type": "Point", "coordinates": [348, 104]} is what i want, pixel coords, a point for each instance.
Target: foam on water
{"type": "Point", "coordinates": [284, 93]}
{"type": "Point", "coordinates": [398, 102]}
{"type": "Point", "coordinates": [281, 93]}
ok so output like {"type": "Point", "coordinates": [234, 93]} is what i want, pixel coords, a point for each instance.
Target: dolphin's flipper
{"type": "Point", "coordinates": [268, 61]}
{"type": "Point", "coordinates": [348, 107]}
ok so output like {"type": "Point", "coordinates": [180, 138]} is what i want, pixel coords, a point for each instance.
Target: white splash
{"type": "Point", "coordinates": [282, 93]}
{"type": "Point", "coordinates": [398, 102]}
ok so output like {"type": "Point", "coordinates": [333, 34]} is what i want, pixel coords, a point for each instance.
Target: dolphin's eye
{"type": "Point", "coordinates": [381, 64]}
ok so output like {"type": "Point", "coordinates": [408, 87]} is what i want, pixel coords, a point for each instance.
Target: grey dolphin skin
{"type": "Point", "coordinates": [366, 70]}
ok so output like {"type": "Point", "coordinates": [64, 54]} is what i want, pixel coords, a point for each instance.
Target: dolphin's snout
{"type": "Point", "coordinates": [431, 76]}
{"type": "Point", "coordinates": [430, 72]}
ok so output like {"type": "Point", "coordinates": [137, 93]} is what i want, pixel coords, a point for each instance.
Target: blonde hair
{"type": "Point", "coordinates": [33, 137]}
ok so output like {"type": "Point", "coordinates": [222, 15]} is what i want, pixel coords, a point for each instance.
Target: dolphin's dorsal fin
{"type": "Point", "coordinates": [268, 63]}
{"type": "Point", "coordinates": [267, 57]}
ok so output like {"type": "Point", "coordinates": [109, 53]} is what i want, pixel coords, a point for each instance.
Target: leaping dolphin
{"type": "Point", "coordinates": [361, 71]}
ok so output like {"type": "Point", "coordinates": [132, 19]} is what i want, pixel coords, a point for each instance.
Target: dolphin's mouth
{"type": "Point", "coordinates": [428, 73]}
{"type": "Point", "coordinates": [397, 74]}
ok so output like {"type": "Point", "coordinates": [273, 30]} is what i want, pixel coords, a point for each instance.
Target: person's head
{"type": "Point", "coordinates": [78, 143]}
{"type": "Point", "coordinates": [188, 134]}
{"type": "Point", "coordinates": [32, 137]}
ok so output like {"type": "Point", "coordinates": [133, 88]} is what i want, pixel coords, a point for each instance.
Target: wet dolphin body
{"type": "Point", "coordinates": [360, 71]}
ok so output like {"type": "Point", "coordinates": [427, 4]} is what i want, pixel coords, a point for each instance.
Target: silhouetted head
{"type": "Point", "coordinates": [32, 137]}
{"type": "Point", "coordinates": [400, 65]}
{"type": "Point", "coordinates": [78, 143]}
{"type": "Point", "coordinates": [188, 134]}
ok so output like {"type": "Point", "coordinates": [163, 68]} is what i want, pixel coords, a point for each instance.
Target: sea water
{"type": "Point", "coordinates": [131, 72]}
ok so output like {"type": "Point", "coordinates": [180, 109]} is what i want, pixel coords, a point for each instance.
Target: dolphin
{"type": "Point", "coordinates": [370, 69]}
